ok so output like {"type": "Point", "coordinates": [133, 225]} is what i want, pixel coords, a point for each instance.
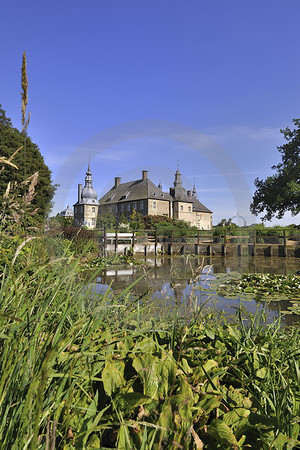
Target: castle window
{"type": "Point", "coordinates": [122, 207]}
{"type": "Point", "coordinates": [190, 209]}
{"type": "Point", "coordinates": [93, 221]}
{"type": "Point", "coordinates": [93, 208]}
{"type": "Point", "coordinates": [128, 206]}
{"type": "Point", "coordinates": [134, 205]}
{"type": "Point", "coordinates": [142, 204]}
{"type": "Point", "coordinates": [181, 208]}
{"type": "Point", "coordinates": [154, 205]}
{"type": "Point", "coordinates": [116, 208]}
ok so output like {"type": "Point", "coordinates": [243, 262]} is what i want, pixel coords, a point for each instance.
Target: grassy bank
{"type": "Point", "coordinates": [84, 371]}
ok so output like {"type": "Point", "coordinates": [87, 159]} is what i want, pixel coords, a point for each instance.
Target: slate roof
{"type": "Point", "coordinates": [134, 190]}
{"type": "Point", "coordinates": [180, 195]}
{"type": "Point", "coordinates": [198, 206]}
{"type": "Point", "coordinates": [68, 212]}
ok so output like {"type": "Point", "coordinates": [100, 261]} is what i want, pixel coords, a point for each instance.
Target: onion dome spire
{"type": "Point", "coordinates": [88, 192]}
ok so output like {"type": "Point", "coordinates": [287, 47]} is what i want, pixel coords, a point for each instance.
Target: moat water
{"type": "Point", "coordinates": [174, 282]}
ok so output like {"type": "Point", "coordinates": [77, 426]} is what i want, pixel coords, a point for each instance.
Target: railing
{"type": "Point", "coordinates": [171, 238]}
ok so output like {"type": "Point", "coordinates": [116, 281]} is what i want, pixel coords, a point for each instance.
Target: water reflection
{"type": "Point", "coordinates": [174, 282]}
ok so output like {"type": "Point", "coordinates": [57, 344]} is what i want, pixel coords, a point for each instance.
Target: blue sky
{"type": "Point", "coordinates": [104, 76]}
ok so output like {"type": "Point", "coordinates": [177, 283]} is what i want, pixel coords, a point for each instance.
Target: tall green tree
{"type": "Point", "coordinates": [280, 192]}
{"type": "Point", "coordinates": [28, 160]}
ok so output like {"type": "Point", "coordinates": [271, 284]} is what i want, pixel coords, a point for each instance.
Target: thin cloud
{"type": "Point", "coordinates": [114, 155]}
{"type": "Point", "coordinates": [242, 133]}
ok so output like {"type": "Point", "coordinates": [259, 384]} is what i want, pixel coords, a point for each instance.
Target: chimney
{"type": "Point", "coordinates": [144, 174]}
{"type": "Point", "coordinates": [189, 193]}
{"type": "Point", "coordinates": [117, 181]}
{"type": "Point", "coordinates": [79, 192]}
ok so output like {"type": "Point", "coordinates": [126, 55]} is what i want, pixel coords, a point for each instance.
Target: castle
{"type": "Point", "coordinates": [142, 196]}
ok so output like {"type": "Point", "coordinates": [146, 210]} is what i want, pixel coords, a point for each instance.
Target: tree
{"type": "Point", "coordinates": [280, 192]}
{"type": "Point", "coordinates": [28, 160]}
{"type": "Point", "coordinates": [106, 220]}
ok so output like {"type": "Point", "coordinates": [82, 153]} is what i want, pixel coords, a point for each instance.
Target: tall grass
{"type": "Point", "coordinates": [80, 370]}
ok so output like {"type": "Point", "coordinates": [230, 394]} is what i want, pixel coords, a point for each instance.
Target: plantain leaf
{"type": "Point", "coordinates": [130, 400]}
{"type": "Point", "coordinates": [145, 365]}
{"type": "Point", "coordinates": [283, 442]}
{"type": "Point", "coordinates": [222, 432]}
{"type": "Point", "coordinates": [113, 376]}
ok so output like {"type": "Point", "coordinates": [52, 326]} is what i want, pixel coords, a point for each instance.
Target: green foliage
{"type": "Point", "coordinates": [85, 370]}
{"type": "Point", "coordinates": [164, 225]}
{"type": "Point", "coordinates": [136, 221]}
{"type": "Point", "coordinates": [106, 220]}
{"type": "Point", "coordinates": [81, 239]}
{"type": "Point", "coordinates": [232, 229]}
{"type": "Point", "coordinates": [107, 377]}
{"type": "Point", "coordinates": [276, 230]}
{"type": "Point", "coordinates": [64, 221]}
{"type": "Point", "coordinates": [28, 160]}
{"type": "Point", "coordinates": [281, 192]}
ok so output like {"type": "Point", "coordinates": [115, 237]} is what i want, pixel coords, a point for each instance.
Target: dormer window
{"type": "Point", "coordinates": [125, 195]}
{"type": "Point", "coordinates": [110, 198]}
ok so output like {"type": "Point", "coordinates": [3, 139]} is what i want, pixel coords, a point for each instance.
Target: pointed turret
{"type": "Point", "coordinates": [177, 181]}
{"type": "Point", "coordinates": [88, 192]}
{"type": "Point", "coordinates": [194, 192]}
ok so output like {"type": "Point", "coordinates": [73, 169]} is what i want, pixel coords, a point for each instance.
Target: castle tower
{"type": "Point", "coordinates": [87, 205]}
{"type": "Point", "coordinates": [178, 192]}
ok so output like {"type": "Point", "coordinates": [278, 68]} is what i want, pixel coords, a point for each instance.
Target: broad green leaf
{"type": "Point", "coordinates": [233, 332]}
{"type": "Point", "coordinates": [208, 403]}
{"type": "Point", "coordinates": [165, 419]}
{"type": "Point", "coordinates": [185, 366]}
{"type": "Point", "coordinates": [130, 400]}
{"type": "Point", "coordinates": [113, 375]}
{"type": "Point", "coordinates": [261, 373]}
{"type": "Point", "coordinates": [222, 432]}
{"type": "Point", "coordinates": [145, 365]}
{"type": "Point", "coordinates": [210, 364]}
{"type": "Point", "coordinates": [283, 442]}
{"type": "Point", "coordinates": [235, 415]}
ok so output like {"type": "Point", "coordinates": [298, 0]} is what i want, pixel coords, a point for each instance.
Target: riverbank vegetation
{"type": "Point", "coordinates": [86, 370]}
{"type": "Point", "coordinates": [83, 370]}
